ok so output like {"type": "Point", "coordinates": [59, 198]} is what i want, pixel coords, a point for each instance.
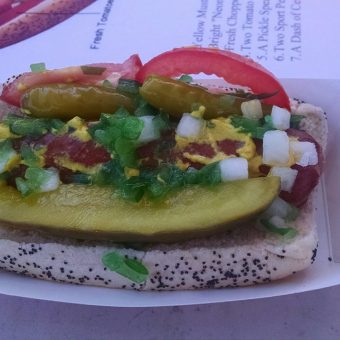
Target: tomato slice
{"type": "Point", "coordinates": [234, 68]}
{"type": "Point", "coordinates": [74, 74]}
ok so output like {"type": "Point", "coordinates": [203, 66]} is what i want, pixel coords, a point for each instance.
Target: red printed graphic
{"type": "Point", "coordinates": [22, 19]}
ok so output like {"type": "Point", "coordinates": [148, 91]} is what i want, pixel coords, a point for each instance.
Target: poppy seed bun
{"type": "Point", "coordinates": [243, 256]}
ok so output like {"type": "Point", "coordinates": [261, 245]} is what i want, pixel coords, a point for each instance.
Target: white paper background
{"type": "Point", "coordinates": [149, 27]}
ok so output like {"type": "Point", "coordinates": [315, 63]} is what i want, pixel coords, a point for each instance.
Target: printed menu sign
{"type": "Point", "coordinates": [292, 38]}
{"type": "Point", "coordinates": [262, 30]}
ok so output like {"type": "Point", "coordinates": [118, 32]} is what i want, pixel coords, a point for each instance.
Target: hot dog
{"type": "Point", "coordinates": [176, 169]}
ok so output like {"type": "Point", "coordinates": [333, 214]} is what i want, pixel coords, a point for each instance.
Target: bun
{"type": "Point", "coordinates": [243, 256]}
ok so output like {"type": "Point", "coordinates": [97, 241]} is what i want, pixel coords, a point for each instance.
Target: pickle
{"type": "Point", "coordinates": [177, 97]}
{"type": "Point", "coordinates": [66, 101]}
{"type": "Point", "coordinates": [90, 212]}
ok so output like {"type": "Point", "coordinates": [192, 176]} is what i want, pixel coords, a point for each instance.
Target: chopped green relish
{"type": "Point", "coordinates": [118, 133]}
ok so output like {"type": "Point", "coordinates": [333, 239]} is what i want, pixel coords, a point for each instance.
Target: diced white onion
{"type": "Point", "coordinates": [287, 176]}
{"type": "Point", "coordinates": [304, 153]}
{"type": "Point", "coordinates": [5, 159]}
{"type": "Point", "coordinates": [252, 109]}
{"type": "Point", "coordinates": [280, 208]}
{"type": "Point", "coordinates": [233, 169]}
{"type": "Point", "coordinates": [189, 126]}
{"type": "Point", "coordinates": [278, 222]}
{"type": "Point", "coordinates": [149, 133]}
{"type": "Point", "coordinates": [53, 181]}
{"type": "Point", "coordinates": [280, 118]}
{"type": "Point", "coordinates": [275, 148]}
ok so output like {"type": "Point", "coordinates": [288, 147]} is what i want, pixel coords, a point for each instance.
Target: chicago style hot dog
{"type": "Point", "coordinates": [142, 166]}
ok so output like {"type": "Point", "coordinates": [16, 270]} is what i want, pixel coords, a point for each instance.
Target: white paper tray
{"type": "Point", "coordinates": [323, 273]}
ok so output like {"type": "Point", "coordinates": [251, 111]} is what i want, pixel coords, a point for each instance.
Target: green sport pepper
{"type": "Point", "coordinates": [177, 97]}
{"type": "Point", "coordinates": [68, 100]}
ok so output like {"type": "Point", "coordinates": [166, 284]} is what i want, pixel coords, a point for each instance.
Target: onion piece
{"type": "Point", "coordinates": [233, 169]}
{"type": "Point", "coordinates": [305, 153]}
{"type": "Point", "coordinates": [189, 126]}
{"type": "Point", "coordinates": [149, 132]}
{"type": "Point", "coordinates": [287, 175]}
{"type": "Point", "coordinates": [276, 148]}
{"type": "Point", "coordinates": [252, 109]}
{"type": "Point", "coordinates": [52, 182]}
{"type": "Point", "coordinates": [280, 118]}
{"type": "Point", "coordinates": [283, 209]}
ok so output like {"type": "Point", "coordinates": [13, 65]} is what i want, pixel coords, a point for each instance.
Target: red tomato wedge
{"type": "Point", "coordinates": [74, 74]}
{"type": "Point", "coordinates": [235, 69]}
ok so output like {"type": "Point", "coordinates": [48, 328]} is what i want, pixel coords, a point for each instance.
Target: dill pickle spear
{"type": "Point", "coordinates": [66, 101]}
{"type": "Point", "coordinates": [90, 212]}
{"type": "Point", "coordinates": [176, 97]}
